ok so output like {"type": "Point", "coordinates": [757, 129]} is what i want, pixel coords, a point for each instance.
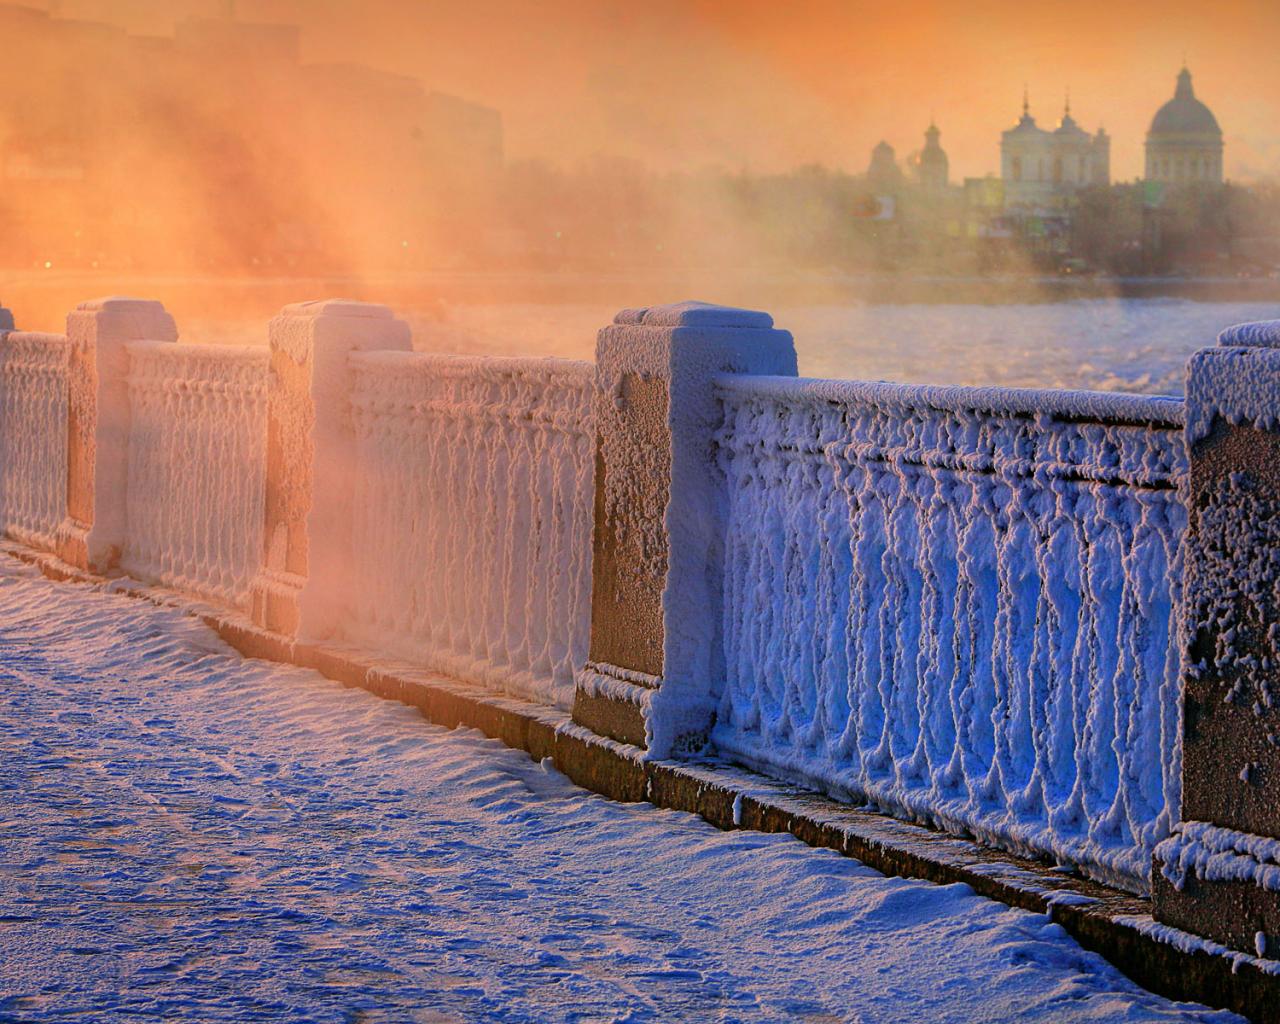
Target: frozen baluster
{"type": "Point", "coordinates": [1216, 876]}
{"type": "Point", "coordinates": [306, 580]}
{"type": "Point", "coordinates": [655, 652]}
{"type": "Point", "coordinates": [93, 534]}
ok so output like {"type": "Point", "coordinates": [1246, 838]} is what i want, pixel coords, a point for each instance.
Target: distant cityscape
{"type": "Point", "coordinates": [1053, 182]}
{"type": "Point", "coordinates": [219, 149]}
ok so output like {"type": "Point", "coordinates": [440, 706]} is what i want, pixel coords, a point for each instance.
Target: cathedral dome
{"type": "Point", "coordinates": [1184, 114]}
{"type": "Point", "coordinates": [1184, 146]}
{"type": "Point", "coordinates": [884, 172]}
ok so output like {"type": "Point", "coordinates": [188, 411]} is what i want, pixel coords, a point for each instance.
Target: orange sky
{"type": "Point", "coordinates": [775, 84]}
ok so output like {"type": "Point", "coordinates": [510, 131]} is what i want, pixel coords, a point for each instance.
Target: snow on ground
{"type": "Point", "coordinates": [189, 835]}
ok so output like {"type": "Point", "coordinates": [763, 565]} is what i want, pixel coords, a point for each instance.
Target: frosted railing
{"type": "Point", "coordinates": [473, 512]}
{"type": "Point", "coordinates": [959, 604]}
{"type": "Point", "coordinates": [33, 436]}
{"type": "Point", "coordinates": [197, 461]}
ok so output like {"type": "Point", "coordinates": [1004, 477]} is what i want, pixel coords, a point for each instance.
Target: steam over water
{"type": "Point", "coordinates": [1109, 344]}
{"type": "Point", "coordinates": [1138, 345]}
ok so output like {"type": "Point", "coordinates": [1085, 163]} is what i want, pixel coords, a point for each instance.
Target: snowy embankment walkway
{"type": "Point", "coordinates": [189, 835]}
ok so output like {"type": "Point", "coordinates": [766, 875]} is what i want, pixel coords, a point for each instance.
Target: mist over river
{"type": "Point", "coordinates": [1058, 334]}
{"type": "Point", "coordinates": [1138, 345]}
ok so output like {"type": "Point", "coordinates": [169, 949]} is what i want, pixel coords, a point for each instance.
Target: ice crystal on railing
{"type": "Point", "coordinates": [33, 436]}
{"type": "Point", "coordinates": [473, 511]}
{"type": "Point", "coordinates": [958, 610]}
{"type": "Point", "coordinates": [197, 462]}
{"type": "Point", "coordinates": [1233, 591]}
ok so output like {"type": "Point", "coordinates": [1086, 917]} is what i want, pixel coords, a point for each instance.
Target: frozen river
{"type": "Point", "coordinates": [1113, 344]}
{"type": "Point", "coordinates": [1137, 345]}
{"type": "Point", "coordinates": [187, 835]}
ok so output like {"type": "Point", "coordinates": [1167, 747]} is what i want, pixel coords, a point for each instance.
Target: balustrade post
{"type": "Point", "coordinates": [657, 576]}
{"type": "Point", "coordinates": [302, 588]}
{"type": "Point", "coordinates": [1218, 875]}
{"type": "Point", "coordinates": [93, 533]}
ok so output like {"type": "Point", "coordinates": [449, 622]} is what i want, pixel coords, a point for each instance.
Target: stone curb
{"type": "Point", "coordinates": [1115, 924]}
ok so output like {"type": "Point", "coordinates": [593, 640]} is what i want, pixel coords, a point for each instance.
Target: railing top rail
{"type": "Point", "coordinates": [37, 337]}
{"type": "Point", "coordinates": [1160, 411]}
{"type": "Point", "coordinates": [456, 365]}
{"type": "Point", "coordinates": [211, 353]}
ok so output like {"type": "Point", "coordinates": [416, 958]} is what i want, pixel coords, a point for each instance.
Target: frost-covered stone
{"type": "Point", "coordinates": [33, 436]}
{"type": "Point", "coordinates": [1237, 386]}
{"type": "Point", "coordinates": [1231, 638]}
{"type": "Point", "coordinates": [656, 649]}
{"type": "Point", "coordinates": [305, 584]}
{"type": "Point", "coordinates": [1212, 853]}
{"type": "Point", "coordinates": [197, 458]}
{"type": "Point", "coordinates": [93, 534]}
{"type": "Point", "coordinates": [472, 516]}
{"type": "Point", "coordinates": [1263, 334]}
{"type": "Point", "coordinates": [1219, 874]}
{"type": "Point", "coordinates": [960, 604]}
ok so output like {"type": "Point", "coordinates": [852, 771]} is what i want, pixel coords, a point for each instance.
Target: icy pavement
{"type": "Point", "coordinates": [188, 835]}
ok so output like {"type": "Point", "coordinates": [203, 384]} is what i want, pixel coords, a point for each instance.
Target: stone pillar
{"type": "Point", "coordinates": [1218, 876]}
{"type": "Point", "coordinates": [302, 588]}
{"type": "Point", "coordinates": [92, 536]}
{"type": "Point", "coordinates": [657, 576]}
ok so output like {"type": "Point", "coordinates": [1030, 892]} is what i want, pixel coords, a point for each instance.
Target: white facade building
{"type": "Point", "coordinates": [1042, 169]}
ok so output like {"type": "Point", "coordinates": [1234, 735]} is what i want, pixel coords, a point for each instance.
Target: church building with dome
{"type": "Point", "coordinates": [933, 169]}
{"type": "Point", "coordinates": [1184, 144]}
{"type": "Point", "coordinates": [1042, 169]}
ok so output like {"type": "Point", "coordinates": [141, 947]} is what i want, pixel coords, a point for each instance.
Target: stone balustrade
{"type": "Point", "coordinates": [1050, 620]}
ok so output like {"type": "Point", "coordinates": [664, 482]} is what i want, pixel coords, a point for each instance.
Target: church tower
{"type": "Point", "coordinates": [1025, 161]}
{"type": "Point", "coordinates": [934, 167]}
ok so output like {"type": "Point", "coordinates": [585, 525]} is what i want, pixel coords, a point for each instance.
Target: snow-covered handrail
{"type": "Point", "coordinates": [573, 373]}
{"type": "Point", "coordinates": [472, 515]}
{"type": "Point", "coordinates": [197, 456]}
{"type": "Point", "coordinates": [1085, 406]}
{"type": "Point", "coordinates": [33, 436]}
{"type": "Point", "coordinates": [1261, 334]}
{"type": "Point", "coordinates": [552, 393]}
{"type": "Point", "coordinates": [207, 368]}
{"type": "Point", "coordinates": [959, 604]}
